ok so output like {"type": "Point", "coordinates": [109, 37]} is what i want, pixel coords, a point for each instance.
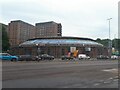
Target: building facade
{"type": "Point", "coordinates": [59, 46]}
{"type": "Point", "coordinates": [48, 29]}
{"type": "Point", "coordinates": [19, 32]}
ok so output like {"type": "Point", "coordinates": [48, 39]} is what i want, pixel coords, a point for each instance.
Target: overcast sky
{"type": "Point", "coordinates": [79, 18]}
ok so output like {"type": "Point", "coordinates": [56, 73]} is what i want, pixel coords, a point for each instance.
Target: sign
{"type": "Point", "coordinates": [87, 49]}
{"type": "Point", "coordinates": [72, 49]}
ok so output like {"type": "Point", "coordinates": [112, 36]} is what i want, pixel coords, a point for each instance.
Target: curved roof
{"type": "Point", "coordinates": [61, 41]}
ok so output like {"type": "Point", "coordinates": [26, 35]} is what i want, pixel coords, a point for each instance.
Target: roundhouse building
{"type": "Point", "coordinates": [58, 46]}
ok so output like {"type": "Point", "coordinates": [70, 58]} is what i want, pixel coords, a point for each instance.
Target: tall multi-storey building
{"type": "Point", "coordinates": [48, 29]}
{"type": "Point", "coordinates": [19, 31]}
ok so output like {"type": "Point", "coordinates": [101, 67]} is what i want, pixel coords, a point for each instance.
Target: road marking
{"type": "Point", "coordinates": [116, 77]}
{"type": "Point", "coordinates": [101, 80]}
{"type": "Point", "coordinates": [107, 82]}
{"type": "Point", "coordinates": [76, 62]}
{"type": "Point", "coordinates": [96, 84]}
{"type": "Point", "coordinates": [110, 78]}
{"type": "Point", "coordinates": [114, 70]}
{"type": "Point", "coordinates": [115, 80]}
{"type": "Point", "coordinates": [109, 70]}
{"type": "Point", "coordinates": [66, 62]}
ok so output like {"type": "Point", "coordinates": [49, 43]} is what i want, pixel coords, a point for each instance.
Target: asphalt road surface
{"type": "Point", "coordinates": [60, 74]}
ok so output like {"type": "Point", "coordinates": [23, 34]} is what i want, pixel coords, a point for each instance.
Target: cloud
{"type": "Point", "coordinates": [87, 18]}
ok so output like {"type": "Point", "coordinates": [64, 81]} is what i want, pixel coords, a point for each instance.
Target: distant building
{"type": "Point", "coordinates": [59, 46]}
{"type": "Point", "coordinates": [48, 29]}
{"type": "Point", "coordinates": [19, 31]}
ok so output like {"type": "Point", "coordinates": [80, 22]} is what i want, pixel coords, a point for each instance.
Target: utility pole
{"type": "Point", "coordinates": [110, 42]}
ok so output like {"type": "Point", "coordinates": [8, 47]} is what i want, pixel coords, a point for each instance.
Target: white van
{"type": "Point", "coordinates": [114, 57]}
{"type": "Point", "coordinates": [83, 56]}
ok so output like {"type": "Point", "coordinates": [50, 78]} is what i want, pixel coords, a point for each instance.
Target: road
{"type": "Point", "coordinates": [60, 74]}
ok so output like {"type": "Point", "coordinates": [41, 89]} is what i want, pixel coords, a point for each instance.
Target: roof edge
{"type": "Point", "coordinates": [61, 37]}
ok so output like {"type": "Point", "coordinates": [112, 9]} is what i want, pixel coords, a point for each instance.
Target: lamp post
{"type": "Point", "coordinates": [110, 42]}
{"type": "Point", "coordinates": [37, 49]}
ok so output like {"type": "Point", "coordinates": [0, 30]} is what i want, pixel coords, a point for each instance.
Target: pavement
{"type": "Point", "coordinates": [60, 74]}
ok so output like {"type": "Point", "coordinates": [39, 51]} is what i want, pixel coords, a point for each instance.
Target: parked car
{"type": "Point", "coordinates": [83, 56]}
{"type": "Point", "coordinates": [65, 57]}
{"type": "Point", "coordinates": [7, 56]}
{"type": "Point", "coordinates": [114, 57]}
{"type": "Point", "coordinates": [102, 57]}
{"type": "Point", "coordinates": [45, 57]}
{"type": "Point", "coordinates": [27, 58]}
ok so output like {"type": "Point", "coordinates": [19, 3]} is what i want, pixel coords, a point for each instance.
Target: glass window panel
{"type": "Point", "coordinates": [60, 41]}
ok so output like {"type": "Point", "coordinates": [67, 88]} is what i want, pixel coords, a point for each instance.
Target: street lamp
{"type": "Point", "coordinates": [109, 26]}
{"type": "Point", "coordinates": [38, 49]}
{"type": "Point", "coordinates": [110, 43]}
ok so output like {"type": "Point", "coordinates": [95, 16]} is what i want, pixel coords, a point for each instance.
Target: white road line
{"type": "Point", "coordinates": [115, 80]}
{"type": "Point", "coordinates": [109, 70]}
{"type": "Point", "coordinates": [114, 70]}
{"type": "Point", "coordinates": [110, 78]}
{"type": "Point", "coordinates": [96, 84]}
{"type": "Point", "coordinates": [106, 82]}
{"type": "Point", "coordinates": [116, 77]}
{"type": "Point", "coordinates": [101, 80]}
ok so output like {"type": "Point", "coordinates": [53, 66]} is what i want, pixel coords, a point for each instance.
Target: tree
{"type": "Point", "coordinates": [103, 41]}
{"type": "Point", "coordinates": [116, 44]}
{"type": "Point", "coordinates": [5, 40]}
